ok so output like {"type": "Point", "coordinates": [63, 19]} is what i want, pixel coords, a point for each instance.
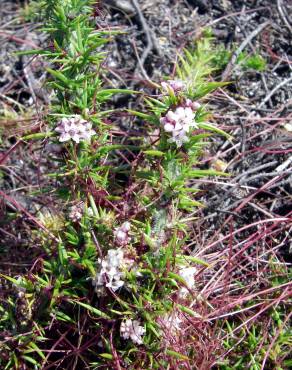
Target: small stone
{"type": "Point", "coordinates": [288, 127]}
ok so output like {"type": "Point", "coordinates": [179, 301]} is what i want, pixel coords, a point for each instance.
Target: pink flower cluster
{"type": "Point", "coordinates": [121, 234]}
{"type": "Point", "coordinates": [175, 86]}
{"type": "Point", "coordinates": [74, 128]}
{"type": "Point", "coordinates": [76, 212]}
{"type": "Point", "coordinates": [178, 124]}
{"type": "Point", "coordinates": [194, 105]}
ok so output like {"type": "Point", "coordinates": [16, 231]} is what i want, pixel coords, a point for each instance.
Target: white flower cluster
{"type": "Point", "coordinates": [133, 330]}
{"type": "Point", "coordinates": [174, 86]}
{"type": "Point", "coordinates": [121, 234]}
{"type": "Point", "coordinates": [187, 273]}
{"type": "Point", "coordinates": [110, 274]}
{"type": "Point", "coordinates": [74, 128]}
{"type": "Point", "coordinates": [178, 123]}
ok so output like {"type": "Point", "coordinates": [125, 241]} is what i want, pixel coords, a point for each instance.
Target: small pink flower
{"type": "Point", "coordinates": [76, 212]}
{"type": "Point", "coordinates": [74, 128]}
{"type": "Point", "coordinates": [192, 104]}
{"type": "Point", "coordinates": [121, 234]}
{"type": "Point", "coordinates": [174, 86]}
{"type": "Point", "coordinates": [178, 123]}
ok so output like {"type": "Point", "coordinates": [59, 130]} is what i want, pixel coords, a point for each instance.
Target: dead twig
{"type": "Point", "coordinates": [4, 156]}
{"type": "Point", "coordinates": [8, 199]}
{"type": "Point", "coordinates": [35, 86]}
{"type": "Point", "coordinates": [220, 19]}
{"type": "Point", "coordinates": [284, 165]}
{"type": "Point", "coordinates": [149, 46]}
{"type": "Point", "coordinates": [264, 174]}
{"type": "Point", "coordinates": [242, 46]}
{"type": "Point", "coordinates": [281, 183]}
{"type": "Point", "coordinates": [275, 89]}
{"type": "Point", "coordinates": [282, 15]}
{"type": "Point", "coordinates": [253, 170]}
